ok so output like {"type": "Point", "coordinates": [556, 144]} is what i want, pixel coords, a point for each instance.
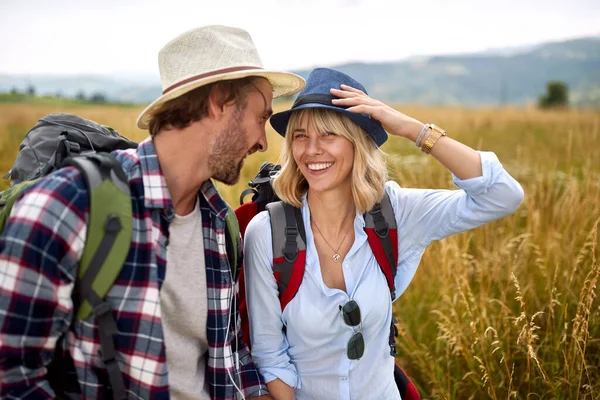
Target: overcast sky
{"type": "Point", "coordinates": [124, 36]}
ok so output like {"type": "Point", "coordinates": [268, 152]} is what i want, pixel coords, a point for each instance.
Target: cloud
{"type": "Point", "coordinates": [64, 36]}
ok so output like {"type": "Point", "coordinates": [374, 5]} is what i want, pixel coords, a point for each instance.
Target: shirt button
{"type": "Point", "coordinates": [344, 378]}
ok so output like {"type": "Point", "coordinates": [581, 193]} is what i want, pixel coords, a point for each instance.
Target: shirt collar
{"type": "Point", "coordinates": [156, 193]}
{"type": "Point", "coordinates": [359, 219]}
{"type": "Point", "coordinates": [214, 200]}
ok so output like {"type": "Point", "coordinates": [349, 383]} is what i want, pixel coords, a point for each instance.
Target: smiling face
{"type": "Point", "coordinates": [323, 152]}
{"type": "Point", "coordinates": [353, 160]}
{"type": "Point", "coordinates": [243, 134]}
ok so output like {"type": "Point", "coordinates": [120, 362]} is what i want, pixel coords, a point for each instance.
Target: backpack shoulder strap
{"type": "Point", "coordinates": [110, 228]}
{"type": "Point", "coordinates": [382, 233]}
{"type": "Point", "coordinates": [8, 198]}
{"type": "Point", "coordinates": [289, 249]}
{"type": "Point", "coordinates": [109, 234]}
{"type": "Point", "coordinates": [232, 240]}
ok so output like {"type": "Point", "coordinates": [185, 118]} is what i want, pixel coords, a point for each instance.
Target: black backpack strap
{"type": "Point", "coordinates": [107, 258]}
{"type": "Point", "coordinates": [289, 249]}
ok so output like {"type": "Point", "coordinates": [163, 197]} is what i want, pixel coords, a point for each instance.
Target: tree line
{"type": "Point", "coordinates": [556, 95]}
{"type": "Point", "coordinates": [94, 98]}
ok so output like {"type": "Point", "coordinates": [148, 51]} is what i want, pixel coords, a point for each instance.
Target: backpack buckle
{"type": "Point", "coordinates": [102, 309]}
{"type": "Point", "coordinates": [112, 225]}
{"type": "Point", "coordinates": [104, 319]}
{"type": "Point", "coordinates": [383, 232]}
{"type": "Point", "coordinates": [109, 362]}
{"type": "Point", "coordinates": [381, 227]}
{"type": "Point", "coordinates": [393, 351]}
{"type": "Point", "coordinates": [393, 335]}
{"type": "Point", "coordinates": [290, 251]}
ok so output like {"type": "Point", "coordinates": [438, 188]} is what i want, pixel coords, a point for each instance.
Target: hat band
{"type": "Point", "coordinates": [314, 98]}
{"type": "Point", "coordinates": [206, 75]}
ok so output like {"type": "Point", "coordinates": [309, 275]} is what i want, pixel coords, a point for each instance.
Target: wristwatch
{"type": "Point", "coordinates": [432, 138]}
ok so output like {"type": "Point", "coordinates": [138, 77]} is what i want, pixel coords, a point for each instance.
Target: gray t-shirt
{"type": "Point", "coordinates": [184, 308]}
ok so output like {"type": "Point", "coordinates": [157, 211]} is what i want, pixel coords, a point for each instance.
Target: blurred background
{"type": "Point", "coordinates": [433, 52]}
{"type": "Point", "coordinates": [508, 310]}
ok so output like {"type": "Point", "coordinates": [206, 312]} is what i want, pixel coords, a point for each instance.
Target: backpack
{"type": "Point", "coordinates": [59, 140]}
{"type": "Point", "coordinates": [289, 250]}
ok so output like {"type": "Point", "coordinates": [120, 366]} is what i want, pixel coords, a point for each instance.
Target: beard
{"type": "Point", "coordinates": [229, 150]}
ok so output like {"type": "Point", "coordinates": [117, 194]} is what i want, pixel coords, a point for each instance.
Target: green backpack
{"type": "Point", "coordinates": [60, 140]}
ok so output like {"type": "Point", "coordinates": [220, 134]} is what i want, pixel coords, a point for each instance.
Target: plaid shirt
{"type": "Point", "coordinates": [39, 252]}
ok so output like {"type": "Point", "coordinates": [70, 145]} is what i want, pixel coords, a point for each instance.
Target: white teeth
{"type": "Point", "coordinates": [318, 167]}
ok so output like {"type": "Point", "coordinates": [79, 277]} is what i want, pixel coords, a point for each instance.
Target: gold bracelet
{"type": "Point", "coordinates": [434, 135]}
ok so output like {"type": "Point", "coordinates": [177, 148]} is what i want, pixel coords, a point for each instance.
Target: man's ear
{"type": "Point", "coordinates": [215, 106]}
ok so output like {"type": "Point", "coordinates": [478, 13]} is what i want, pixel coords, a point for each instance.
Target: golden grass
{"type": "Point", "coordinates": [508, 310]}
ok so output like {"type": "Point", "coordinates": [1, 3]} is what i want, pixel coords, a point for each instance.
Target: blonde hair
{"type": "Point", "coordinates": [369, 172]}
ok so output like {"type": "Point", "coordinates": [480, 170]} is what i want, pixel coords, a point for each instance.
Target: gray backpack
{"type": "Point", "coordinates": [58, 136]}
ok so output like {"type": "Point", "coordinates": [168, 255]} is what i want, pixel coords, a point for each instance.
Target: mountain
{"type": "Point", "coordinates": [509, 76]}
{"type": "Point", "coordinates": [483, 79]}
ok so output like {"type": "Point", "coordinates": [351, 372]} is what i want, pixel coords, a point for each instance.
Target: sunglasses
{"type": "Point", "coordinates": [351, 315]}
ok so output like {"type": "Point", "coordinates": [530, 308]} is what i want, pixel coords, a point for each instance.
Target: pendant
{"type": "Point", "coordinates": [336, 257]}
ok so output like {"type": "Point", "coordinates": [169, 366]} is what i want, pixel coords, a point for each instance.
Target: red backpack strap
{"type": "Point", "coordinates": [244, 214]}
{"type": "Point", "coordinates": [408, 390]}
{"type": "Point", "coordinates": [289, 249]}
{"type": "Point", "coordinates": [382, 233]}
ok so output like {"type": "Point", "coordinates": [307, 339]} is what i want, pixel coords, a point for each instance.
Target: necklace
{"type": "Point", "coordinates": [336, 255]}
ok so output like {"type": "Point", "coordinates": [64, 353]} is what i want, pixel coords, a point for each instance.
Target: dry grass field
{"type": "Point", "coordinates": [508, 310]}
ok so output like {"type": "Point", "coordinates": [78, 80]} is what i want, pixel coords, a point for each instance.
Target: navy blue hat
{"type": "Point", "coordinates": [316, 95]}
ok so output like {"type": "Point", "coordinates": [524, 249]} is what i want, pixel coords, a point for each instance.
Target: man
{"type": "Point", "coordinates": [175, 299]}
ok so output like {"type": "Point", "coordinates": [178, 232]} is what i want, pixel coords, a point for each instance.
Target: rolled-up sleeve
{"type": "Point", "coordinates": [425, 215]}
{"type": "Point", "coordinates": [493, 195]}
{"type": "Point", "coordinates": [269, 343]}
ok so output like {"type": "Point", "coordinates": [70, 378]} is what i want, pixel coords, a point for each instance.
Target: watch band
{"type": "Point", "coordinates": [434, 135]}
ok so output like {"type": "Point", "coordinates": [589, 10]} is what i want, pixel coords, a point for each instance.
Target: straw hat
{"type": "Point", "coordinates": [209, 54]}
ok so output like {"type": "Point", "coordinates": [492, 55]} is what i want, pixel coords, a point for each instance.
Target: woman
{"type": "Point", "coordinates": [333, 171]}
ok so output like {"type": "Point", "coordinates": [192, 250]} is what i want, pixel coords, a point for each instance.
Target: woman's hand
{"type": "Point", "coordinates": [393, 121]}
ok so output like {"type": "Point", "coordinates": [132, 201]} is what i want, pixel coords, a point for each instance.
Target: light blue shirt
{"type": "Point", "coordinates": [311, 357]}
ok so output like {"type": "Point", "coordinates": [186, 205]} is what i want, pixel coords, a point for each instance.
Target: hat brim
{"type": "Point", "coordinates": [284, 84]}
{"type": "Point", "coordinates": [280, 121]}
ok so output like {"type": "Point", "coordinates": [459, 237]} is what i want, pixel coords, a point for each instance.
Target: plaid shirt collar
{"type": "Point", "coordinates": [155, 186]}
{"type": "Point", "coordinates": [156, 192]}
